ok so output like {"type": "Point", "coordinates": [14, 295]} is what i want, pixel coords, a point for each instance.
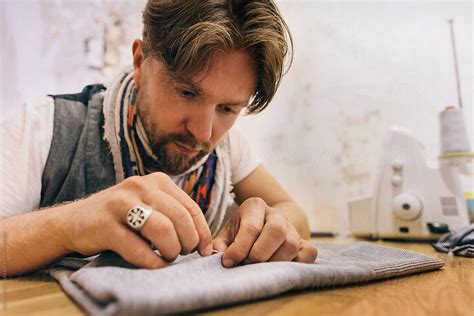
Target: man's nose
{"type": "Point", "coordinates": [200, 122]}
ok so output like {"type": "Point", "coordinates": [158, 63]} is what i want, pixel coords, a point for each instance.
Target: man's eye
{"type": "Point", "coordinates": [228, 110]}
{"type": "Point", "coordinates": [187, 93]}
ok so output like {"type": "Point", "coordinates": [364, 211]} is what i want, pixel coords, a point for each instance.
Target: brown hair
{"type": "Point", "coordinates": [185, 34]}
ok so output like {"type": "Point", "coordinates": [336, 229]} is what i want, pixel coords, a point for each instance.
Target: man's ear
{"type": "Point", "coordinates": [137, 52]}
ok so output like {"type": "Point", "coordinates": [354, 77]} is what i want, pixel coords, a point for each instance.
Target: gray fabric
{"type": "Point", "coordinates": [79, 161]}
{"type": "Point", "coordinates": [460, 242]}
{"type": "Point", "coordinates": [110, 286]}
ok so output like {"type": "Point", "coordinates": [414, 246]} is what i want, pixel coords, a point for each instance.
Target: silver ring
{"type": "Point", "coordinates": [138, 215]}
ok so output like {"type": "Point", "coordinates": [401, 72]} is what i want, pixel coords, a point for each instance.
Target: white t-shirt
{"type": "Point", "coordinates": [26, 140]}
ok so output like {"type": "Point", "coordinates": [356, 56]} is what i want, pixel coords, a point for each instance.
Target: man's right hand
{"type": "Point", "coordinates": [99, 222]}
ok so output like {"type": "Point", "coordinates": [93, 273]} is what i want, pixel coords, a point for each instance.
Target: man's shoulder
{"type": "Point", "coordinates": [83, 97]}
{"type": "Point", "coordinates": [235, 144]}
{"type": "Point", "coordinates": [75, 108]}
{"type": "Point", "coordinates": [235, 138]}
{"type": "Point", "coordinates": [28, 113]}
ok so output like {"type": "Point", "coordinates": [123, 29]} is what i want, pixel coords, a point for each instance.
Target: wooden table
{"type": "Point", "coordinates": [449, 291]}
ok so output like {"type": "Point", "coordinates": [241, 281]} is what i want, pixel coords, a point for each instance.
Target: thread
{"type": "Point", "coordinates": [453, 132]}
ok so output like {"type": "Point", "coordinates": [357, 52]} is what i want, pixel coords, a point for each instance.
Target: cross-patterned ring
{"type": "Point", "coordinates": [138, 215]}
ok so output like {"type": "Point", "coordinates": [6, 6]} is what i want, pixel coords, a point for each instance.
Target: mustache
{"type": "Point", "coordinates": [185, 139]}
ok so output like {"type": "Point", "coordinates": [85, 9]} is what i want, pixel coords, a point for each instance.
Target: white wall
{"type": "Point", "coordinates": [359, 67]}
{"type": "Point", "coordinates": [57, 46]}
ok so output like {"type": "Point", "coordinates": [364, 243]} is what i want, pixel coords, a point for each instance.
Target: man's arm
{"type": "Point", "coordinates": [260, 183]}
{"type": "Point", "coordinates": [267, 226]}
{"type": "Point", "coordinates": [30, 241]}
{"type": "Point", "coordinates": [97, 223]}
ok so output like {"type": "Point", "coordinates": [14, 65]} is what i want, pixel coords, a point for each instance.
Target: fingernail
{"type": "Point", "coordinates": [227, 263]}
{"type": "Point", "coordinates": [208, 250]}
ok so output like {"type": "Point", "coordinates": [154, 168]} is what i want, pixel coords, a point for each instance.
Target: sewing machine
{"type": "Point", "coordinates": [410, 200]}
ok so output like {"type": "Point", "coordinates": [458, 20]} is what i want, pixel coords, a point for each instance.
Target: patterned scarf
{"type": "Point", "coordinates": [137, 155]}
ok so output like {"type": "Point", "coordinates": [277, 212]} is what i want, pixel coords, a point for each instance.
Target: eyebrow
{"type": "Point", "coordinates": [191, 84]}
{"type": "Point", "coordinates": [199, 91]}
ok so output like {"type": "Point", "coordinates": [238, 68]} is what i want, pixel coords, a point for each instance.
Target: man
{"type": "Point", "coordinates": [153, 159]}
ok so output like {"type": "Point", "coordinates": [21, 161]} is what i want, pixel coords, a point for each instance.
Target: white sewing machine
{"type": "Point", "coordinates": [410, 200]}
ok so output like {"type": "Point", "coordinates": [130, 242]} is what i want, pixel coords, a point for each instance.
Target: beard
{"type": "Point", "coordinates": [170, 159]}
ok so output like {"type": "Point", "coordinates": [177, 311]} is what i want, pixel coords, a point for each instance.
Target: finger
{"type": "Point", "coordinates": [307, 252]}
{"type": "Point", "coordinates": [219, 244]}
{"type": "Point", "coordinates": [252, 217]}
{"type": "Point", "coordinates": [221, 241]}
{"type": "Point", "coordinates": [289, 249]}
{"type": "Point", "coordinates": [180, 218]}
{"type": "Point", "coordinates": [205, 236]}
{"type": "Point", "coordinates": [273, 235]}
{"type": "Point", "coordinates": [161, 232]}
{"type": "Point", "coordinates": [135, 250]}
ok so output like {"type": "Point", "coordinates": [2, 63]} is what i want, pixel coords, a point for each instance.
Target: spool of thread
{"type": "Point", "coordinates": [453, 132]}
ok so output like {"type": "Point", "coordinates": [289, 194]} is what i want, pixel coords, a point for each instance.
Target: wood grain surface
{"type": "Point", "coordinates": [449, 291]}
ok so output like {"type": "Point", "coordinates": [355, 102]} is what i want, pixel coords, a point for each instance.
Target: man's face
{"type": "Point", "coordinates": [185, 121]}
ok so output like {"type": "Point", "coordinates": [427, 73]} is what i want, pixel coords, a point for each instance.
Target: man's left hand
{"type": "Point", "coordinates": [257, 232]}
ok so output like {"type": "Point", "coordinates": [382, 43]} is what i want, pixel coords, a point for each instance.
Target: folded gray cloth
{"type": "Point", "coordinates": [460, 242]}
{"type": "Point", "coordinates": [110, 286]}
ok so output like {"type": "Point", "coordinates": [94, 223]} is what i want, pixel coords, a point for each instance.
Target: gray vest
{"type": "Point", "coordinates": [79, 161]}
